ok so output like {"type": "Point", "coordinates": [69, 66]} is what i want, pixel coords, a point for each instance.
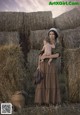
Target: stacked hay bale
{"type": "Point", "coordinates": [13, 75]}
{"type": "Point", "coordinates": [71, 38]}
{"type": "Point", "coordinates": [71, 49]}
{"type": "Point", "coordinates": [12, 71]}
{"type": "Point", "coordinates": [23, 23]}
{"type": "Point", "coordinates": [7, 38]}
{"type": "Point", "coordinates": [68, 20]}
{"type": "Point", "coordinates": [11, 21]}
{"type": "Point", "coordinates": [69, 23]}
{"type": "Point", "coordinates": [72, 69]}
{"type": "Point", "coordinates": [36, 38]}
{"type": "Point", "coordinates": [38, 20]}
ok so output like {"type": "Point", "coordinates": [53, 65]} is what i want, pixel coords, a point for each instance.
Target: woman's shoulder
{"type": "Point", "coordinates": [57, 48]}
{"type": "Point", "coordinates": [58, 45]}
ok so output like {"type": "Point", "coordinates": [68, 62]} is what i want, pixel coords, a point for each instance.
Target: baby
{"type": "Point", "coordinates": [47, 48]}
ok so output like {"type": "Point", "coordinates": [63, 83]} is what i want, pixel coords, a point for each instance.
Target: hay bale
{"type": "Point", "coordinates": [72, 72]}
{"type": "Point", "coordinates": [70, 38]}
{"type": "Point", "coordinates": [13, 75]}
{"type": "Point", "coordinates": [36, 38]}
{"type": "Point", "coordinates": [7, 38]}
{"type": "Point", "coordinates": [68, 20]}
{"type": "Point", "coordinates": [11, 21]}
{"type": "Point", "coordinates": [32, 59]}
{"type": "Point", "coordinates": [38, 20]}
{"type": "Point", "coordinates": [16, 21]}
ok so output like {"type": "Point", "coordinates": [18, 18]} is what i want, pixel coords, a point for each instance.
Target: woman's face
{"type": "Point", "coordinates": [52, 37]}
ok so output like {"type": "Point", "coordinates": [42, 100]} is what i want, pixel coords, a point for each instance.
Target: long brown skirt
{"type": "Point", "coordinates": [48, 90]}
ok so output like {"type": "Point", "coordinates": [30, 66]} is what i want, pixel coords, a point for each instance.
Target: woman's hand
{"type": "Point", "coordinates": [43, 57]}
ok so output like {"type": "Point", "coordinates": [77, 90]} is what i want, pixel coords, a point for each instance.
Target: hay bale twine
{"type": "Point", "coordinates": [7, 38]}
{"type": "Point", "coordinates": [38, 20]}
{"type": "Point", "coordinates": [70, 38]}
{"type": "Point", "coordinates": [68, 20]}
{"type": "Point", "coordinates": [11, 21]}
{"type": "Point", "coordinates": [18, 100]}
{"type": "Point", "coordinates": [71, 59]}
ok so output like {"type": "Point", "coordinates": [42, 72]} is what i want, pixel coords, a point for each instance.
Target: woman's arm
{"type": "Point", "coordinates": [53, 55]}
{"type": "Point", "coordinates": [56, 55]}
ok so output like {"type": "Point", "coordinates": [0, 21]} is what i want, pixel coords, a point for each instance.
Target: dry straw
{"type": "Point", "coordinates": [12, 71]}
{"type": "Point", "coordinates": [72, 69]}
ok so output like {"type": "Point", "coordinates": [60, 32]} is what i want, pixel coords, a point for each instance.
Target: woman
{"type": "Point", "coordinates": [48, 91]}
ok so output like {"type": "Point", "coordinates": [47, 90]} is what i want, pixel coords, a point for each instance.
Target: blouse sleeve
{"type": "Point", "coordinates": [57, 49]}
